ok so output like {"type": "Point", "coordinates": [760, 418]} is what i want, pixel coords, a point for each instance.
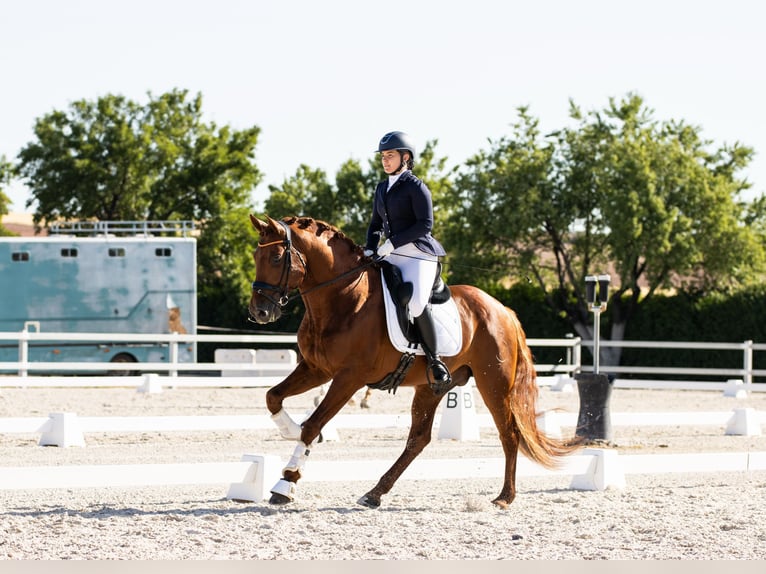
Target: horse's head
{"type": "Point", "coordinates": [278, 269]}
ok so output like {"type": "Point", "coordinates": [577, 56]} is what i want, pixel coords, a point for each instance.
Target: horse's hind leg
{"type": "Point", "coordinates": [423, 411]}
{"type": "Point", "coordinates": [365, 404]}
{"type": "Point", "coordinates": [494, 386]}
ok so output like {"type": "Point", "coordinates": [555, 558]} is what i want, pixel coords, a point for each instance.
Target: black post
{"type": "Point", "coordinates": [594, 422]}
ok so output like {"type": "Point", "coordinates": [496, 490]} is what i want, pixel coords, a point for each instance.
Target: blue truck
{"type": "Point", "coordinates": [100, 277]}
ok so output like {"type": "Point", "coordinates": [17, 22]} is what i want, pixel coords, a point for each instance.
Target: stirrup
{"type": "Point", "coordinates": [441, 384]}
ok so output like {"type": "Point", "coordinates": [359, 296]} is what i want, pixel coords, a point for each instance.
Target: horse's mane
{"type": "Point", "coordinates": [322, 227]}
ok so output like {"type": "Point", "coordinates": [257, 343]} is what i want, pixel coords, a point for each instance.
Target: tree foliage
{"type": "Point", "coordinates": [115, 159]}
{"type": "Point", "coordinates": [620, 193]}
{"type": "Point", "coordinates": [649, 202]}
{"type": "Point", "coordinates": [6, 168]}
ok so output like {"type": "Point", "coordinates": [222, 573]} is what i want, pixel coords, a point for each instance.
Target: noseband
{"type": "Point", "coordinates": [262, 288]}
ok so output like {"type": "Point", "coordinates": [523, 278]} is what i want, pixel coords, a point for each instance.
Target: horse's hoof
{"type": "Point", "coordinates": [279, 499]}
{"type": "Point", "coordinates": [369, 501]}
{"type": "Point", "coordinates": [283, 492]}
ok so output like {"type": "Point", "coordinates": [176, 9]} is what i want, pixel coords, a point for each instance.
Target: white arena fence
{"type": "Point", "coordinates": [68, 429]}
{"type": "Point", "coordinates": [251, 478]}
{"type": "Point", "coordinates": [258, 367]}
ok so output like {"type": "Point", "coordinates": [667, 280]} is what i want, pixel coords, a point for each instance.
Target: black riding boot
{"type": "Point", "coordinates": [441, 378]}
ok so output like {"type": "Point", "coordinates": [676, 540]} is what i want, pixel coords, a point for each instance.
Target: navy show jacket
{"type": "Point", "coordinates": [404, 214]}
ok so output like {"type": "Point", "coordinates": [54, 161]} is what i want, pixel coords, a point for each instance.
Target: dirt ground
{"type": "Point", "coordinates": [679, 516]}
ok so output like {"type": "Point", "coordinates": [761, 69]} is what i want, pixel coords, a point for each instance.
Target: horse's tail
{"type": "Point", "coordinates": [535, 444]}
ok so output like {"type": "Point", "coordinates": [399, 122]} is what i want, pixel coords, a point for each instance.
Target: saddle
{"type": "Point", "coordinates": [401, 293]}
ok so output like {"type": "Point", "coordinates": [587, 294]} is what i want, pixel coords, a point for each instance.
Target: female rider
{"type": "Point", "coordinates": [403, 214]}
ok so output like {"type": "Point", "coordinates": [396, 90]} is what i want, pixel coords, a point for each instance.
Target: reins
{"type": "Point", "coordinates": [334, 279]}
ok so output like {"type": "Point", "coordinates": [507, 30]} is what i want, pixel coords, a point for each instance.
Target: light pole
{"type": "Point", "coordinates": [596, 304]}
{"type": "Point", "coordinates": [593, 422]}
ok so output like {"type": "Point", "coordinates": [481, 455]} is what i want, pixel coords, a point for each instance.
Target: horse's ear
{"type": "Point", "coordinates": [274, 224]}
{"type": "Point", "coordinates": [258, 225]}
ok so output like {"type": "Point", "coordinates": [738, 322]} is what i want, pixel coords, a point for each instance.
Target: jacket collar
{"type": "Point", "coordinates": [405, 176]}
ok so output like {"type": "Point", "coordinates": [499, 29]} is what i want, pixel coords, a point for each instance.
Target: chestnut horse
{"type": "Point", "coordinates": [343, 339]}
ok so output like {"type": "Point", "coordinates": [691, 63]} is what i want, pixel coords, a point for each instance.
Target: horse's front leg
{"type": "Point", "coordinates": [302, 379]}
{"type": "Point", "coordinates": [340, 391]}
{"type": "Point", "coordinates": [423, 412]}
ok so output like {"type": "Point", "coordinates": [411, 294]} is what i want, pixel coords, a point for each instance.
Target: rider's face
{"type": "Point", "coordinates": [391, 160]}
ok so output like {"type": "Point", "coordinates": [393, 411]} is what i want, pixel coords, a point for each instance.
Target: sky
{"type": "Point", "coordinates": [325, 79]}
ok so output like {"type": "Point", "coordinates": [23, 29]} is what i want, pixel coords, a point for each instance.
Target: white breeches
{"type": "Point", "coordinates": [419, 268]}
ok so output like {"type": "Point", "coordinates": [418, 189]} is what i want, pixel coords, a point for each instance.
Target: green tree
{"type": "Point", "coordinates": [306, 193]}
{"type": "Point", "coordinates": [6, 169]}
{"type": "Point", "coordinates": [354, 196]}
{"type": "Point", "coordinates": [620, 193]}
{"type": "Point", "coordinates": [114, 159]}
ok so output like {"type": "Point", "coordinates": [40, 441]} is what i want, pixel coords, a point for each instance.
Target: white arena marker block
{"type": "Point", "coordinates": [62, 429]}
{"type": "Point", "coordinates": [563, 384]}
{"type": "Point", "coordinates": [548, 422]}
{"type": "Point", "coordinates": [735, 388]}
{"type": "Point", "coordinates": [329, 431]}
{"type": "Point", "coordinates": [286, 356]}
{"type": "Point", "coordinates": [744, 422]}
{"type": "Point", "coordinates": [264, 470]}
{"type": "Point", "coordinates": [458, 416]}
{"type": "Point", "coordinates": [605, 471]}
{"type": "Point", "coordinates": [152, 384]}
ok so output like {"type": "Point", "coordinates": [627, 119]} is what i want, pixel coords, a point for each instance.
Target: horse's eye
{"type": "Point", "coordinates": [276, 258]}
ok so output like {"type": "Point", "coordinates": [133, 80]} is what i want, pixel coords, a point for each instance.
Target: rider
{"type": "Point", "coordinates": [403, 213]}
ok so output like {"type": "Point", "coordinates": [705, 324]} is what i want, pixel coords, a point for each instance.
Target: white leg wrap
{"type": "Point", "coordinates": [285, 488]}
{"type": "Point", "coordinates": [298, 460]}
{"type": "Point", "coordinates": [288, 428]}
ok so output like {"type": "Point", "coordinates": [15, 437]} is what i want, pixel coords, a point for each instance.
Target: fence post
{"type": "Point", "coordinates": [577, 359]}
{"type": "Point", "coordinates": [23, 352]}
{"type": "Point", "coordinates": [173, 345]}
{"type": "Point", "coordinates": [748, 366]}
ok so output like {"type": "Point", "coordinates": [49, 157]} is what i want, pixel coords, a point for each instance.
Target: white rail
{"type": "Point", "coordinates": [570, 365]}
{"type": "Point", "coordinates": [67, 429]}
{"type": "Point", "coordinates": [250, 479]}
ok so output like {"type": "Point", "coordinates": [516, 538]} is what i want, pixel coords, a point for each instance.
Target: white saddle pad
{"type": "Point", "coordinates": [449, 331]}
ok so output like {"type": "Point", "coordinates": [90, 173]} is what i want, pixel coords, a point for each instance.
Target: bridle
{"type": "Point", "coordinates": [281, 299]}
{"type": "Point", "coordinates": [263, 288]}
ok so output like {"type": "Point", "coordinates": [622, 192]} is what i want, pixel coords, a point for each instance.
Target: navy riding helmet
{"type": "Point", "coordinates": [397, 140]}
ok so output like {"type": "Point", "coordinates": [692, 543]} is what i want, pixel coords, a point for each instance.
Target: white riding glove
{"type": "Point", "coordinates": [385, 249]}
{"type": "Point", "coordinates": [368, 252]}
